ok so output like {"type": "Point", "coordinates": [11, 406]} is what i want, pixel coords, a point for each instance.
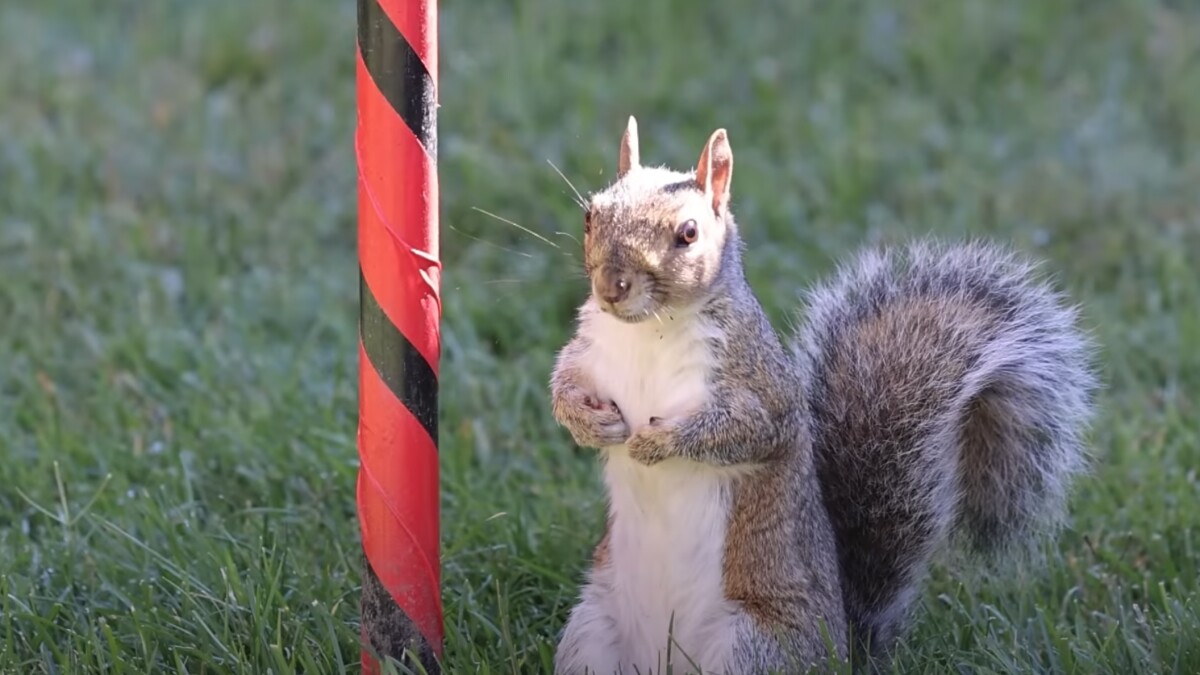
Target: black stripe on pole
{"type": "Point", "coordinates": [388, 629]}
{"type": "Point", "coordinates": [401, 367]}
{"type": "Point", "coordinates": [398, 73]}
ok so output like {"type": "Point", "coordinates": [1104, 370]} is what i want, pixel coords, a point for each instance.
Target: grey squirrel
{"type": "Point", "coordinates": [770, 503]}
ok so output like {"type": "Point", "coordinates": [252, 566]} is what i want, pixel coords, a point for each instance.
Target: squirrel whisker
{"type": "Point", "coordinates": [578, 197]}
{"type": "Point", "coordinates": [573, 237]}
{"type": "Point", "coordinates": [516, 225]}
{"type": "Point", "coordinates": [489, 243]}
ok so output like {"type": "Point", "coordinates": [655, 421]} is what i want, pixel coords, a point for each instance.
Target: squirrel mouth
{"type": "Point", "coordinates": [644, 310]}
{"type": "Point", "coordinates": [635, 305]}
{"type": "Point", "coordinates": [631, 318]}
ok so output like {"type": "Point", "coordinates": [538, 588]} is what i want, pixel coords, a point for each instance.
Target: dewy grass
{"type": "Point", "coordinates": [178, 300]}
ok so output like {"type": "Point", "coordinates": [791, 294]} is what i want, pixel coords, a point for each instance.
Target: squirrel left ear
{"type": "Point", "coordinates": [628, 157]}
{"type": "Point", "coordinates": [714, 171]}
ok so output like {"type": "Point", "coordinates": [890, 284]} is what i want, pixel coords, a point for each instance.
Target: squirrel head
{"type": "Point", "coordinates": [654, 239]}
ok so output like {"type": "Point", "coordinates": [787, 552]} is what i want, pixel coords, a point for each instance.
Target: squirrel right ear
{"type": "Point", "coordinates": [714, 171]}
{"type": "Point", "coordinates": [629, 149]}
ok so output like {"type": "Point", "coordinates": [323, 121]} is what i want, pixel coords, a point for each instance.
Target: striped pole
{"type": "Point", "coordinates": [399, 315]}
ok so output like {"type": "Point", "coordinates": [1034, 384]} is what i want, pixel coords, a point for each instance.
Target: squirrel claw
{"type": "Point", "coordinates": [648, 456]}
{"type": "Point", "coordinates": [592, 421]}
{"type": "Point", "coordinates": [597, 404]}
{"type": "Point", "coordinates": [651, 444]}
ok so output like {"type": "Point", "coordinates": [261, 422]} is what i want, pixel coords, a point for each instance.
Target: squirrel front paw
{"type": "Point", "coordinates": [653, 442]}
{"type": "Point", "coordinates": [592, 422]}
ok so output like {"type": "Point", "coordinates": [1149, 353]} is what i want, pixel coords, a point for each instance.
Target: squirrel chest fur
{"type": "Point", "coordinates": [771, 507]}
{"type": "Point", "coordinates": [666, 543]}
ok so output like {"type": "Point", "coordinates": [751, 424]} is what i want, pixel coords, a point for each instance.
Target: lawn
{"type": "Point", "coordinates": [178, 300]}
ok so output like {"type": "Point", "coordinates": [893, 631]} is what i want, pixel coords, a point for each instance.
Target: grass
{"type": "Point", "coordinates": [178, 300]}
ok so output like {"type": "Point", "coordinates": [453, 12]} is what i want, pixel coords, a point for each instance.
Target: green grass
{"type": "Point", "coordinates": [178, 300]}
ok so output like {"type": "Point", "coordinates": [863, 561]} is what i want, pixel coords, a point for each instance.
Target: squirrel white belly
{"type": "Point", "coordinates": [664, 580]}
{"type": "Point", "coordinates": [772, 506]}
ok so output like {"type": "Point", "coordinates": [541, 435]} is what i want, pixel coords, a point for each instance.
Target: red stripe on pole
{"type": "Point", "coordinates": [399, 527]}
{"type": "Point", "coordinates": [417, 22]}
{"type": "Point", "coordinates": [397, 250]}
{"type": "Point", "coordinates": [397, 491]}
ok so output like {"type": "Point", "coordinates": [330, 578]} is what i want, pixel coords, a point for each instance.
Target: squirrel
{"type": "Point", "coordinates": [772, 504]}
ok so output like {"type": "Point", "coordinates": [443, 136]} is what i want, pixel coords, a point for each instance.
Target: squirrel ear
{"type": "Point", "coordinates": [714, 171]}
{"type": "Point", "coordinates": [629, 149]}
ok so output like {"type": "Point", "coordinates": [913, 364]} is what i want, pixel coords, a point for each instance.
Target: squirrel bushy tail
{"type": "Point", "coordinates": [949, 389]}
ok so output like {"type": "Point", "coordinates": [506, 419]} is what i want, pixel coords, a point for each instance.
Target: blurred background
{"type": "Point", "coordinates": [178, 299]}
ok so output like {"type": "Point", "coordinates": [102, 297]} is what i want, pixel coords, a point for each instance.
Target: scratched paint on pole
{"type": "Point", "coordinates": [396, 150]}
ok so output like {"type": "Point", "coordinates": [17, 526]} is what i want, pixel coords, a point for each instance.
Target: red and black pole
{"type": "Point", "coordinates": [399, 318]}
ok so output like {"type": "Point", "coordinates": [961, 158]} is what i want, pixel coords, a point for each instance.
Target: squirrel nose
{"type": "Point", "coordinates": [615, 289]}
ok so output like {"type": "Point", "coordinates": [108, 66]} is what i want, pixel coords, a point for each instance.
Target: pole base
{"type": "Point", "coordinates": [389, 632]}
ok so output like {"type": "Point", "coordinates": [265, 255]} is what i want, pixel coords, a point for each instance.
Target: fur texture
{"type": "Point", "coordinates": [766, 501]}
{"type": "Point", "coordinates": [662, 571]}
{"type": "Point", "coordinates": [949, 391]}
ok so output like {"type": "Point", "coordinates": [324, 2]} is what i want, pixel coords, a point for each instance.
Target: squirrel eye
{"type": "Point", "coordinates": [687, 233]}
{"type": "Point", "coordinates": [587, 222]}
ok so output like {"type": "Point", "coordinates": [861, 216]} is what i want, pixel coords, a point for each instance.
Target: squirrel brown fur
{"type": "Point", "coordinates": [770, 503]}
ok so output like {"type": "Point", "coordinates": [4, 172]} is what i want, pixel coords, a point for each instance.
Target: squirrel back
{"type": "Point", "coordinates": [948, 391]}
